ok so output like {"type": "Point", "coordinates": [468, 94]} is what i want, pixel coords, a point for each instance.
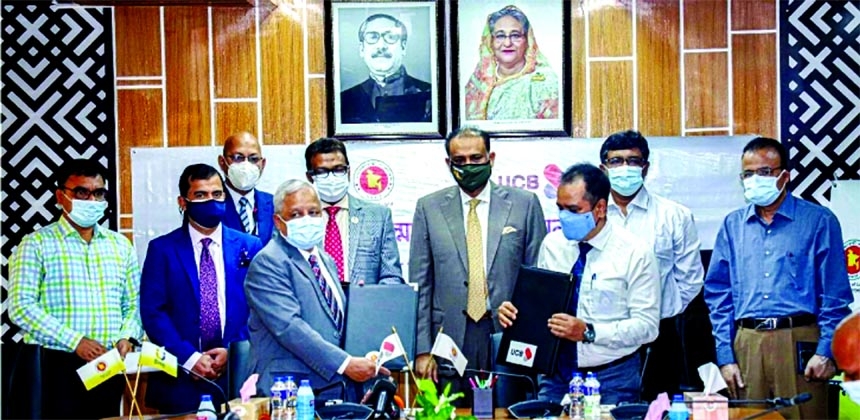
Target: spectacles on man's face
{"type": "Point", "coordinates": [763, 171]}
{"type": "Point", "coordinates": [81, 193]}
{"type": "Point", "coordinates": [515, 37]}
{"type": "Point", "coordinates": [239, 158]}
{"type": "Point", "coordinates": [324, 172]}
{"type": "Point", "coordinates": [630, 161]}
{"type": "Point", "coordinates": [389, 37]}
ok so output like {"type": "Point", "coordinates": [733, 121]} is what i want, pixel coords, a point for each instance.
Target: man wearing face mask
{"type": "Point", "coordinates": [248, 209]}
{"type": "Point", "coordinates": [616, 303]}
{"type": "Point", "coordinates": [777, 282]}
{"type": "Point", "coordinates": [846, 353]}
{"type": "Point", "coordinates": [468, 243]}
{"type": "Point", "coordinates": [73, 291]}
{"type": "Point", "coordinates": [669, 228]}
{"type": "Point", "coordinates": [191, 296]}
{"type": "Point", "coordinates": [297, 304]}
{"type": "Point", "coordinates": [359, 235]}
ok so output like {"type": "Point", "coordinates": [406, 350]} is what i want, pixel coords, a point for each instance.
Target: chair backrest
{"type": "Point", "coordinates": [238, 366]}
{"type": "Point", "coordinates": [509, 390]}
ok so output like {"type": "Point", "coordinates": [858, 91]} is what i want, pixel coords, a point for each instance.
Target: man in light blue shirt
{"type": "Point", "coordinates": [777, 286]}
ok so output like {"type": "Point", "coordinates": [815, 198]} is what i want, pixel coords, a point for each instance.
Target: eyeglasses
{"type": "Point", "coordinates": [373, 37]}
{"type": "Point", "coordinates": [763, 171]}
{"type": "Point", "coordinates": [515, 37]}
{"type": "Point", "coordinates": [81, 193]}
{"type": "Point", "coordinates": [631, 161]}
{"type": "Point", "coordinates": [239, 158]}
{"type": "Point", "coordinates": [324, 172]}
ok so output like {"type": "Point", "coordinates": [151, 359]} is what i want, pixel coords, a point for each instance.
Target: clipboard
{"type": "Point", "coordinates": [528, 344]}
{"type": "Point", "coordinates": [372, 310]}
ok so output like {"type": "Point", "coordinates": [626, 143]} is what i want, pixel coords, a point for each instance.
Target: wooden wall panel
{"type": "Point", "coordinates": [234, 52]}
{"type": "Point", "coordinates": [706, 79]}
{"type": "Point", "coordinates": [753, 14]}
{"type": "Point", "coordinates": [705, 24]}
{"type": "Point", "coordinates": [316, 38]}
{"type": "Point", "coordinates": [231, 117]}
{"type": "Point", "coordinates": [138, 41]}
{"type": "Point", "coordinates": [754, 84]}
{"type": "Point", "coordinates": [318, 108]}
{"type": "Point", "coordinates": [611, 30]}
{"type": "Point", "coordinates": [577, 63]}
{"type": "Point", "coordinates": [139, 124]}
{"type": "Point", "coordinates": [659, 80]}
{"type": "Point", "coordinates": [187, 57]}
{"type": "Point", "coordinates": [707, 133]}
{"type": "Point", "coordinates": [283, 76]}
{"type": "Point", "coordinates": [611, 97]}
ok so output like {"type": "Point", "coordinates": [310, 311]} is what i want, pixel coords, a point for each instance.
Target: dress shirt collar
{"type": "Point", "coordinates": [343, 203]}
{"type": "Point", "coordinates": [599, 241]}
{"type": "Point", "coordinates": [196, 236]}
{"type": "Point", "coordinates": [641, 200]}
{"type": "Point", "coordinates": [786, 209]}
{"type": "Point", "coordinates": [483, 197]}
{"type": "Point", "coordinates": [66, 228]}
{"type": "Point", "coordinates": [236, 195]}
{"type": "Point", "coordinates": [315, 252]}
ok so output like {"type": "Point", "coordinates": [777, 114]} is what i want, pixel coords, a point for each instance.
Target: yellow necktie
{"type": "Point", "coordinates": [477, 304]}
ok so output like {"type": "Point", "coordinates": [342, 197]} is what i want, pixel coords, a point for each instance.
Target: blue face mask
{"type": "Point", "coordinates": [305, 232]}
{"type": "Point", "coordinates": [762, 190]}
{"type": "Point", "coordinates": [86, 213]}
{"type": "Point", "coordinates": [576, 226]}
{"type": "Point", "coordinates": [207, 213]}
{"type": "Point", "coordinates": [625, 179]}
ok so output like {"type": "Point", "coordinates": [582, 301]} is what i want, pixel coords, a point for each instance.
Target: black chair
{"type": "Point", "coordinates": [238, 366]}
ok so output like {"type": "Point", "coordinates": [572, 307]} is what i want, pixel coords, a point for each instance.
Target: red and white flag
{"type": "Point", "coordinates": [390, 349]}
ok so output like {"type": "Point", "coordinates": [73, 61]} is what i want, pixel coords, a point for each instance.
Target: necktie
{"type": "Point", "coordinates": [210, 317]}
{"type": "Point", "coordinates": [477, 303]}
{"type": "Point", "coordinates": [568, 357]}
{"type": "Point", "coordinates": [244, 205]}
{"type": "Point", "coordinates": [327, 293]}
{"type": "Point", "coordinates": [333, 244]}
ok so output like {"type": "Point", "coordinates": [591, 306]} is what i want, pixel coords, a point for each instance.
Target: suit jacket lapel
{"type": "Point", "coordinates": [304, 267]}
{"type": "Point", "coordinates": [500, 208]}
{"type": "Point", "coordinates": [232, 284]}
{"type": "Point", "coordinates": [452, 210]}
{"type": "Point", "coordinates": [185, 252]}
{"type": "Point", "coordinates": [356, 212]}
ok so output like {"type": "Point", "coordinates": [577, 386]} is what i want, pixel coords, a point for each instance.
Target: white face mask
{"type": "Point", "coordinates": [86, 213]}
{"type": "Point", "coordinates": [762, 190]}
{"type": "Point", "coordinates": [243, 175]}
{"type": "Point", "coordinates": [852, 389]}
{"type": "Point", "coordinates": [305, 232]}
{"type": "Point", "coordinates": [331, 188]}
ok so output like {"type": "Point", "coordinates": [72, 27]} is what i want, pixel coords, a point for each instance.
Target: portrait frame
{"type": "Point", "coordinates": [348, 78]}
{"type": "Point", "coordinates": [521, 105]}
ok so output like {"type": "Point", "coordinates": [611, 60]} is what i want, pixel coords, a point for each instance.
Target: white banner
{"type": "Point", "coordinates": [699, 172]}
{"type": "Point", "coordinates": [845, 203]}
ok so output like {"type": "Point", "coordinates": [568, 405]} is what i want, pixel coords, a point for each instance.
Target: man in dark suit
{"type": "Point", "coordinates": [297, 304]}
{"type": "Point", "coordinates": [389, 94]}
{"type": "Point", "coordinates": [468, 242]}
{"type": "Point", "coordinates": [359, 235]}
{"type": "Point", "coordinates": [191, 296]}
{"type": "Point", "coordinates": [248, 210]}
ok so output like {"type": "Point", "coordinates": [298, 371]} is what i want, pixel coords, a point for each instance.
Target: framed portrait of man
{"type": "Point", "coordinates": [511, 75]}
{"type": "Point", "coordinates": [383, 77]}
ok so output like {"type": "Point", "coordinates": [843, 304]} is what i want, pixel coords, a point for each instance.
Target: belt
{"type": "Point", "coordinates": [777, 323]}
{"type": "Point", "coordinates": [613, 363]}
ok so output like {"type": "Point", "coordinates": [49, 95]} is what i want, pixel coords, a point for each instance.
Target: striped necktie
{"type": "Point", "coordinates": [327, 292]}
{"type": "Point", "coordinates": [244, 205]}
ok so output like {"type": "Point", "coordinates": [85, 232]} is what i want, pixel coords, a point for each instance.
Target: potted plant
{"type": "Point", "coordinates": [434, 406]}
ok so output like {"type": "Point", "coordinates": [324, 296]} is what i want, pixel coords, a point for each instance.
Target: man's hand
{"type": "Point", "coordinates": [219, 359]}
{"type": "Point", "coordinates": [819, 368]}
{"type": "Point", "coordinates": [566, 326]}
{"type": "Point", "coordinates": [123, 346]}
{"type": "Point", "coordinates": [89, 349]}
{"type": "Point", "coordinates": [425, 367]}
{"type": "Point", "coordinates": [204, 367]}
{"type": "Point", "coordinates": [507, 314]}
{"type": "Point", "coordinates": [732, 374]}
{"type": "Point", "coordinates": [361, 369]}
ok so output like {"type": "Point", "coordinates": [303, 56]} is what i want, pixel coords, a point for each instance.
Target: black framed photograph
{"type": "Point", "coordinates": [383, 73]}
{"type": "Point", "coordinates": [511, 78]}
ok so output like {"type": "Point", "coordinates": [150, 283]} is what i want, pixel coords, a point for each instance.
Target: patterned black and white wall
{"type": "Point", "coordinates": [820, 93]}
{"type": "Point", "coordinates": [58, 104]}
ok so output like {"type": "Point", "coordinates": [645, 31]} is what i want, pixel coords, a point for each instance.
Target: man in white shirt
{"type": "Point", "coordinates": [616, 305]}
{"type": "Point", "coordinates": [669, 229]}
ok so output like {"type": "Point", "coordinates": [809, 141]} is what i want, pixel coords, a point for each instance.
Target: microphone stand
{"type": "Point", "coordinates": [229, 415]}
{"type": "Point", "coordinates": [506, 374]}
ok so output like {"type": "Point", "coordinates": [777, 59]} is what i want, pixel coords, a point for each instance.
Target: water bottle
{"type": "Point", "coordinates": [592, 397]}
{"type": "Point", "coordinates": [276, 401]}
{"type": "Point", "coordinates": [575, 393]}
{"type": "Point", "coordinates": [678, 410]}
{"type": "Point", "coordinates": [206, 410]}
{"type": "Point", "coordinates": [305, 401]}
{"type": "Point", "coordinates": [290, 399]}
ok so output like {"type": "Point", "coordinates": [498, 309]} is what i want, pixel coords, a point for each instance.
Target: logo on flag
{"type": "Point", "coordinates": [521, 354]}
{"type": "Point", "coordinates": [158, 358]}
{"type": "Point", "coordinates": [101, 369]}
{"type": "Point", "coordinates": [852, 258]}
{"type": "Point", "coordinates": [446, 348]}
{"type": "Point", "coordinates": [390, 349]}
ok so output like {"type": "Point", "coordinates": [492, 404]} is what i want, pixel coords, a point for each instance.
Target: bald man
{"type": "Point", "coordinates": [846, 352]}
{"type": "Point", "coordinates": [249, 210]}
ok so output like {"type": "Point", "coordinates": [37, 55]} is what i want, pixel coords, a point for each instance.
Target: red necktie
{"type": "Point", "coordinates": [333, 244]}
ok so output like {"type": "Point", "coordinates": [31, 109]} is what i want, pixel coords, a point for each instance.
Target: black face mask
{"type": "Point", "coordinates": [471, 177]}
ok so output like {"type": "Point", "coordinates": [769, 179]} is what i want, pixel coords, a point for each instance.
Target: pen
{"type": "Point", "coordinates": [473, 383]}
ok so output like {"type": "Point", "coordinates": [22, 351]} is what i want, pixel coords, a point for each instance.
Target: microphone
{"type": "Point", "coordinates": [382, 399]}
{"type": "Point", "coordinates": [229, 415]}
{"type": "Point", "coordinates": [777, 403]}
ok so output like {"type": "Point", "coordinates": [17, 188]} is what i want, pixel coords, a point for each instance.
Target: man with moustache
{"type": "Point", "coordinates": [389, 94]}
{"type": "Point", "coordinates": [248, 209]}
{"type": "Point", "coordinates": [468, 243]}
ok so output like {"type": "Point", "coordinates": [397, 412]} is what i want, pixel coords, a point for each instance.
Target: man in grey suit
{"type": "Point", "coordinates": [358, 235]}
{"type": "Point", "coordinates": [296, 303]}
{"type": "Point", "coordinates": [468, 242]}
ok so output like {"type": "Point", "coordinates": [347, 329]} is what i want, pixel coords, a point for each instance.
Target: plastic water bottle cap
{"type": "Point", "coordinates": [306, 382]}
{"type": "Point", "coordinates": [289, 377]}
{"type": "Point", "coordinates": [577, 375]}
{"type": "Point", "coordinates": [205, 397]}
{"type": "Point", "coordinates": [678, 398]}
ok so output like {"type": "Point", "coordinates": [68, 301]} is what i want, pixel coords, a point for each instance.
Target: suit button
{"type": "Point", "coordinates": [465, 283]}
{"type": "Point", "coordinates": [465, 313]}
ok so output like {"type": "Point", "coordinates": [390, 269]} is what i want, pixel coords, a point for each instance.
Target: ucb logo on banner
{"type": "Point", "coordinates": [521, 354]}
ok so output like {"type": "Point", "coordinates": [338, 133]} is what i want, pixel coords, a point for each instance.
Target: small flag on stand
{"type": "Point", "coordinates": [157, 357]}
{"type": "Point", "coordinates": [446, 348]}
{"type": "Point", "coordinates": [390, 349]}
{"type": "Point", "coordinates": [101, 369]}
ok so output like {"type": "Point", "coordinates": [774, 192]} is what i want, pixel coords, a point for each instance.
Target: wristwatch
{"type": "Point", "coordinates": [588, 335]}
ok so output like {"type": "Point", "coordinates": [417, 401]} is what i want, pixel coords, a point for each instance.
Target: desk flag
{"type": "Point", "coordinates": [446, 348]}
{"type": "Point", "coordinates": [157, 357]}
{"type": "Point", "coordinates": [101, 369]}
{"type": "Point", "coordinates": [390, 349]}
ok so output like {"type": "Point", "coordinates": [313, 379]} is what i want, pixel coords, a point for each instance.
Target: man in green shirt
{"type": "Point", "coordinates": [74, 293]}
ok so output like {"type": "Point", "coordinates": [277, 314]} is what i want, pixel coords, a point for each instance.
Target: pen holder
{"type": "Point", "coordinates": [482, 403]}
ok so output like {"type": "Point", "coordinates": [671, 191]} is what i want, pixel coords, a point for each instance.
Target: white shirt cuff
{"type": "Point", "coordinates": [192, 360]}
{"type": "Point", "coordinates": [343, 365]}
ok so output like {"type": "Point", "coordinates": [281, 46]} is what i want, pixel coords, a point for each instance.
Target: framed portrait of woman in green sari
{"type": "Point", "coordinates": [512, 78]}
